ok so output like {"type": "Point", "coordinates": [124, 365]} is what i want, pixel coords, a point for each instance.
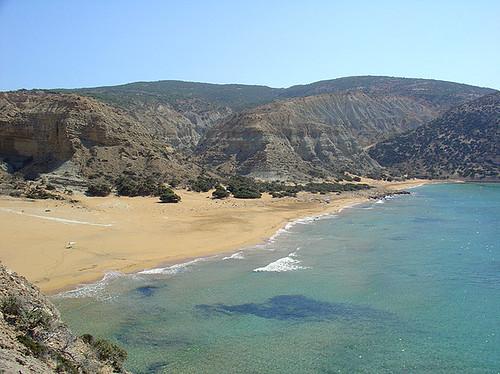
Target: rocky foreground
{"type": "Point", "coordinates": [34, 339]}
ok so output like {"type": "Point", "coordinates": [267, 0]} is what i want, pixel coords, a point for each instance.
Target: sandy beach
{"type": "Point", "coordinates": [58, 244]}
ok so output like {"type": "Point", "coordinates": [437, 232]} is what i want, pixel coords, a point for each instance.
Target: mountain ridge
{"type": "Point", "coordinates": [177, 128]}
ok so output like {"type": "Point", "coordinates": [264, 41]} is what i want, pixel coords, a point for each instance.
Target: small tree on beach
{"type": "Point", "coordinates": [220, 192]}
{"type": "Point", "coordinates": [98, 189]}
{"type": "Point", "coordinates": [167, 195]}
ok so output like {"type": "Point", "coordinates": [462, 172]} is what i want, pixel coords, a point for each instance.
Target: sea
{"type": "Point", "coordinates": [409, 284]}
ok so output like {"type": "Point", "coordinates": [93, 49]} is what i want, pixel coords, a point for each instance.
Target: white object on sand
{"type": "Point", "coordinates": [70, 245]}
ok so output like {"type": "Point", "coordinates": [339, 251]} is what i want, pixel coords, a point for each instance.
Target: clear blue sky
{"type": "Point", "coordinates": [69, 43]}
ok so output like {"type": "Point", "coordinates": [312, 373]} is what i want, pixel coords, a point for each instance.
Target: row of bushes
{"type": "Point", "coordinates": [240, 187]}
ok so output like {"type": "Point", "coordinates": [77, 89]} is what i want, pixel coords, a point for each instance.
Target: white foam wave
{"type": "Point", "coordinates": [380, 201]}
{"type": "Point", "coordinates": [288, 263]}
{"type": "Point", "coordinates": [173, 269]}
{"type": "Point", "coordinates": [235, 256]}
{"type": "Point", "coordinates": [92, 289]}
{"type": "Point", "coordinates": [300, 221]}
{"type": "Point", "coordinates": [415, 186]}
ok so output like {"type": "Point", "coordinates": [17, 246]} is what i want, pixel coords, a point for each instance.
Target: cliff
{"type": "Point", "coordinates": [73, 138]}
{"type": "Point", "coordinates": [34, 339]}
{"type": "Point", "coordinates": [310, 136]}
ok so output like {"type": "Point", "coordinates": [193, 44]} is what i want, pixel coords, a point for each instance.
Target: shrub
{"type": "Point", "coordinates": [35, 348]}
{"type": "Point", "coordinates": [174, 182]}
{"type": "Point", "coordinates": [167, 195]}
{"type": "Point", "coordinates": [244, 193]}
{"type": "Point", "coordinates": [220, 192]}
{"type": "Point", "coordinates": [26, 319]}
{"type": "Point", "coordinates": [88, 339]}
{"type": "Point", "coordinates": [130, 186]}
{"type": "Point", "coordinates": [11, 309]}
{"type": "Point", "coordinates": [98, 189]}
{"type": "Point", "coordinates": [107, 351]}
{"type": "Point", "coordinates": [202, 184]}
{"type": "Point", "coordinates": [64, 365]}
{"type": "Point", "coordinates": [244, 188]}
{"type": "Point", "coordinates": [39, 193]}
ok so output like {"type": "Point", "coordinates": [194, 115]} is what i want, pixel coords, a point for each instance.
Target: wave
{"type": "Point", "coordinates": [97, 289]}
{"type": "Point", "coordinates": [92, 289]}
{"type": "Point", "coordinates": [301, 221]}
{"type": "Point", "coordinates": [234, 256]}
{"type": "Point", "coordinates": [173, 269]}
{"type": "Point", "coordinates": [288, 263]}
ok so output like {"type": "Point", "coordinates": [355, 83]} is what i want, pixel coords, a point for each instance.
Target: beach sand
{"type": "Point", "coordinates": [58, 245]}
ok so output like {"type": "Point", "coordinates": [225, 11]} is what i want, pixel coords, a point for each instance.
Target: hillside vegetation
{"type": "Point", "coordinates": [462, 143]}
{"type": "Point", "coordinates": [174, 130]}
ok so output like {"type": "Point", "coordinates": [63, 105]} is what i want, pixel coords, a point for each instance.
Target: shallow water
{"type": "Point", "coordinates": [411, 284]}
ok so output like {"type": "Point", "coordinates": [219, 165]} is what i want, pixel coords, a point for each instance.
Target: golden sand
{"type": "Point", "coordinates": [58, 245]}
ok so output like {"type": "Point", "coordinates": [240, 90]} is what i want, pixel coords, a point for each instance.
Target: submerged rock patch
{"type": "Point", "coordinates": [296, 307]}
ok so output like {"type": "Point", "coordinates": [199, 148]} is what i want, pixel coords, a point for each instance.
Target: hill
{"type": "Point", "coordinates": [310, 136]}
{"type": "Point", "coordinates": [462, 143]}
{"type": "Point", "coordinates": [439, 94]}
{"type": "Point", "coordinates": [175, 129]}
{"type": "Point", "coordinates": [75, 138]}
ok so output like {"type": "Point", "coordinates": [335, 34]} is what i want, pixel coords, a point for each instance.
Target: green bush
{"type": "Point", "coordinates": [12, 309]}
{"type": "Point", "coordinates": [35, 348]}
{"type": "Point", "coordinates": [202, 184]}
{"type": "Point", "coordinates": [244, 188]}
{"type": "Point", "coordinates": [334, 187]}
{"type": "Point", "coordinates": [167, 195]}
{"type": "Point", "coordinates": [107, 351]}
{"type": "Point", "coordinates": [220, 192]}
{"type": "Point", "coordinates": [134, 186]}
{"type": "Point", "coordinates": [174, 182]}
{"type": "Point", "coordinates": [64, 365]}
{"type": "Point", "coordinates": [88, 339]}
{"type": "Point", "coordinates": [246, 194]}
{"type": "Point", "coordinates": [26, 319]}
{"type": "Point", "coordinates": [98, 189]}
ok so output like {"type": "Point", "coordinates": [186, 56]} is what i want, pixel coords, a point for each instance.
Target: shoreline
{"type": "Point", "coordinates": [202, 228]}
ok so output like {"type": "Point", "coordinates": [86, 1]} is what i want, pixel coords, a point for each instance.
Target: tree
{"type": "Point", "coordinates": [167, 195]}
{"type": "Point", "coordinates": [220, 192]}
{"type": "Point", "coordinates": [98, 189]}
{"type": "Point", "coordinates": [202, 184]}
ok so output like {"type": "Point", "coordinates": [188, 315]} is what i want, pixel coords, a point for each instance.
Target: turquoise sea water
{"type": "Point", "coordinates": [410, 284]}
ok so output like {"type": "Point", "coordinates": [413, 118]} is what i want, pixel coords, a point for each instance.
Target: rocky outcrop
{"type": "Point", "coordinates": [72, 137]}
{"type": "Point", "coordinates": [34, 339]}
{"type": "Point", "coordinates": [463, 143]}
{"type": "Point", "coordinates": [311, 136]}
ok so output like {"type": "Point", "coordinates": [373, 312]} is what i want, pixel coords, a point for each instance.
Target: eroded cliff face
{"type": "Point", "coordinates": [74, 137]}
{"type": "Point", "coordinates": [34, 339]}
{"type": "Point", "coordinates": [324, 134]}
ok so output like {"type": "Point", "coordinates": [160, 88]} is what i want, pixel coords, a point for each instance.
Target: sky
{"type": "Point", "coordinates": [87, 43]}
